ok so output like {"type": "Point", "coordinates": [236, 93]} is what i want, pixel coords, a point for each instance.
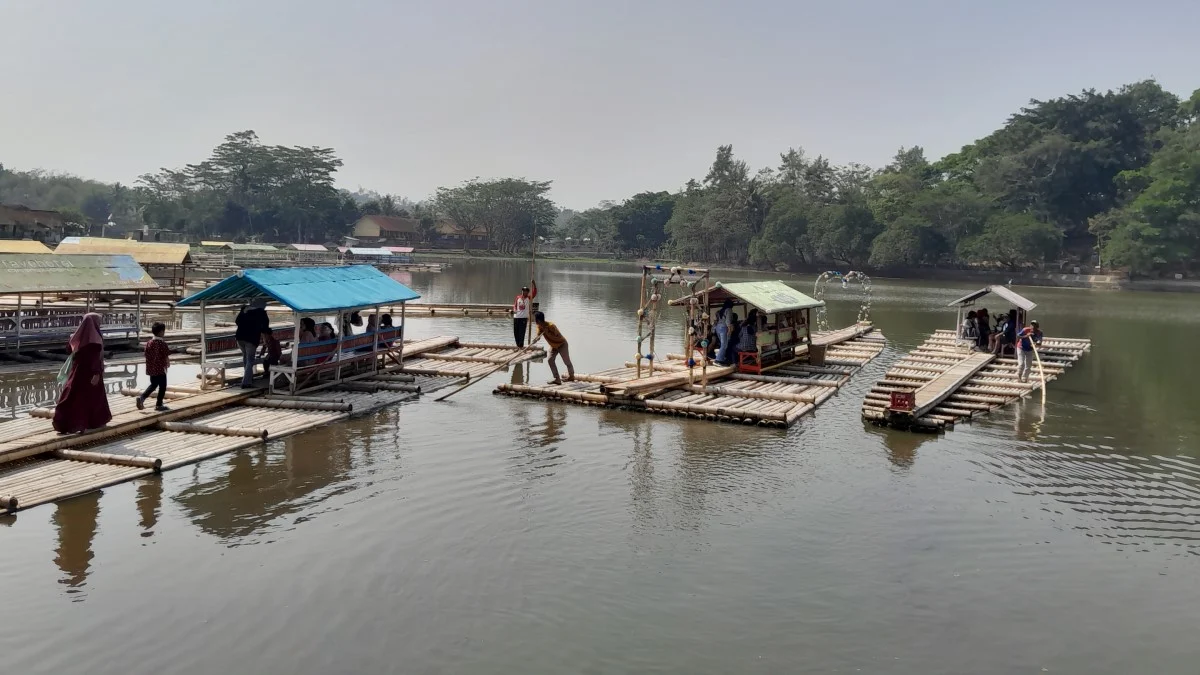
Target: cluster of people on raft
{"type": "Point", "coordinates": [730, 335]}
{"type": "Point", "coordinates": [1005, 336]}
{"type": "Point", "coordinates": [257, 340]}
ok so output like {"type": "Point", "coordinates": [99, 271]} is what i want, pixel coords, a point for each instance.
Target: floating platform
{"type": "Point", "coordinates": [777, 397]}
{"type": "Point", "coordinates": [38, 465]}
{"type": "Point", "coordinates": [952, 383]}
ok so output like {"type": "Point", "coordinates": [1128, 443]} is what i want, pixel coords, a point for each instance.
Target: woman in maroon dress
{"type": "Point", "coordinates": [83, 403]}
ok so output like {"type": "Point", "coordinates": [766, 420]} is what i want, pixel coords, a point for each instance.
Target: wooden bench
{"type": "Point", "coordinates": [315, 361]}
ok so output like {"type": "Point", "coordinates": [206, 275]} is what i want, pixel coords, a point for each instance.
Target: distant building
{"type": "Point", "coordinates": [450, 235]}
{"type": "Point", "coordinates": [387, 230]}
{"type": "Point", "coordinates": [22, 222]}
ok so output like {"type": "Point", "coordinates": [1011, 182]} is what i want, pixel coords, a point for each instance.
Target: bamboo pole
{"type": "Point", "coordinates": [394, 378]}
{"type": "Point", "coordinates": [299, 405]}
{"type": "Point", "coordinates": [198, 428]}
{"type": "Point", "coordinates": [291, 397]}
{"type": "Point", "coordinates": [139, 461]}
{"type": "Point", "coordinates": [170, 395]}
{"type": "Point", "coordinates": [9, 502]}
{"type": "Point", "coordinates": [433, 372]}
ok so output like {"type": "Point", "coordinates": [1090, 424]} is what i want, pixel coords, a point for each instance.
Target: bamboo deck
{"type": "Point", "coordinates": [38, 465]}
{"type": "Point", "coordinates": [953, 383]}
{"type": "Point", "coordinates": [778, 397]}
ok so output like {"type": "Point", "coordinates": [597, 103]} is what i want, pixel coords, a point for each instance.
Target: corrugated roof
{"type": "Point", "coordinates": [310, 247]}
{"type": "Point", "coordinates": [399, 249]}
{"type": "Point", "coordinates": [249, 247]}
{"type": "Point", "coordinates": [213, 243]}
{"type": "Point", "coordinates": [40, 273]}
{"type": "Point", "coordinates": [23, 246]}
{"type": "Point", "coordinates": [308, 289]}
{"type": "Point", "coordinates": [355, 250]}
{"type": "Point", "coordinates": [144, 252]}
{"type": "Point", "coordinates": [768, 296]}
{"type": "Point", "coordinates": [1013, 297]}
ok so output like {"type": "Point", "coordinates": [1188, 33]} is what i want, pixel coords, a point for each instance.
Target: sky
{"type": "Point", "coordinates": [606, 98]}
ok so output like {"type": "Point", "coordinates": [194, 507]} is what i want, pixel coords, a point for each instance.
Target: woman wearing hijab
{"type": "Point", "coordinates": [83, 403]}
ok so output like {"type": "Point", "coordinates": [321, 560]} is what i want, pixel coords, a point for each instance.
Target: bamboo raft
{"type": "Point", "coordinates": [952, 383]}
{"type": "Point", "coordinates": [38, 465]}
{"type": "Point", "coordinates": [778, 397]}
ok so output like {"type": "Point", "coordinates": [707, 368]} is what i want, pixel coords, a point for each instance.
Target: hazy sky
{"type": "Point", "coordinates": [606, 97]}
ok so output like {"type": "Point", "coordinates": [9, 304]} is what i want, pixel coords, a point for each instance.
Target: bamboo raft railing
{"type": "Point", "coordinates": [777, 398]}
{"type": "Point", "coordinates": [37, 465]}
{"type": "Point", "coordinates": [953, 383]}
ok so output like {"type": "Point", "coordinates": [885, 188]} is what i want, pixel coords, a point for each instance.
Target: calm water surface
{"type": "Point", "coordinates": [497, 535]}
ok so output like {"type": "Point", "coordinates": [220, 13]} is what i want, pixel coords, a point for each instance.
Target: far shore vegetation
{"type": "Point", "coordinates": [1109, 179]}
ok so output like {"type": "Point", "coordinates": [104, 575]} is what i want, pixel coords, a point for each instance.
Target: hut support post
{"type": "Point", "coordinates": [375, 343]}
{"type": "Point", "coordinates": [295, 354]}
{"type": "Point", "coordinates": [137, 322]}
{"type": "Point", "coordinates": [203, 348]}
{"type": "Point", "coordinates": [19, 299]}
{"type": "Point", "coordinates": [337, 354]}
{"type": "Point", "coordinates": [401, 355]}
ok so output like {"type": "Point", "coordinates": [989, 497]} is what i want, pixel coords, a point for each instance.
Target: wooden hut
{"type": "Point", "coordinates": [33, 279]}
{"type": "Point", "coordinates": [784, 320]}
{"type": "Point", "coordinates": [167, 263]}
{"type": "Point", "coordinates": [322, 293]}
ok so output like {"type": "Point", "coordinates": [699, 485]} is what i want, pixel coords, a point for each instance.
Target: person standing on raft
{"type": "Point", "coordinates": [520, 311]}
{"type": "Point", "coordinates": [558, 345]}
{"type": "Point", "coordinates": [83, 403]}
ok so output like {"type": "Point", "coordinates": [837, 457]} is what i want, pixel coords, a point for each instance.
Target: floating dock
{"type": "Point", "coordinates": [38, 465]}
{"type": "Point", "coordinates": [951, 383]}
{"type": "Point", "coordinates": [776, 397]}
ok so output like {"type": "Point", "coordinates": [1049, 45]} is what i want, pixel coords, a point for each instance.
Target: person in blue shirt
{"type": "Point", "coordinates": [1025, 341]}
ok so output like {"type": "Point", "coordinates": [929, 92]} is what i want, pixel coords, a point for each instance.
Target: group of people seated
{"type": "Point", "coordinates": [1007, 336]}
{"type": "Point", "coordinates": [311, 332]}
{"type": "Point", "coordinates": [730, 336]}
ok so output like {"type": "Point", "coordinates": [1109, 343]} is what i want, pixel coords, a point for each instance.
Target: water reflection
{"type": "Point", "coordinates": [149, 504]}
{"type": "Point", "coordinates": [76, 520]}
{"type": "Point", "coordinates": [260, 487]}
{"type": "Point", "coordinates": [541, 429]}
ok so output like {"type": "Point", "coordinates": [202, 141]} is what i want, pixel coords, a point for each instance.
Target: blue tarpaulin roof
{"type": "Point", "coordinates": [308, 289]}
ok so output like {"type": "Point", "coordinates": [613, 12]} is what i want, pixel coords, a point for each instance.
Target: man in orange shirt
{"type": "Point", "coordinates": [558, 345]}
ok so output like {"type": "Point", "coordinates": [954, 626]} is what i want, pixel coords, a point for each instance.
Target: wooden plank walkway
{"type": "Point", "coordinates": [936, 390]}
{"type": "Point", "coordinates": [926, 371]}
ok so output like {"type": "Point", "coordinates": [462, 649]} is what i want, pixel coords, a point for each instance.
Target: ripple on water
{"type": "Point", "coordinates": [1125, 499]}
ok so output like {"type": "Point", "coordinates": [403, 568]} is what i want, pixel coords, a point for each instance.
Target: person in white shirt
{"type": "Point", "coordinates": [521, 312]}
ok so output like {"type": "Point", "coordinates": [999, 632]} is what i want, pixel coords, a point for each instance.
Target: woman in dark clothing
{"type": "Point", "coordinates": [983, 326]}
{"type": "Point", "coordinates": [83, 403]}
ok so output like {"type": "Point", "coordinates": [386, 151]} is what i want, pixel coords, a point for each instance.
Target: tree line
{"type": "Point", "coordinates": [1096, 177]}
{"type": "Point", "coordinates": [1110, 178]}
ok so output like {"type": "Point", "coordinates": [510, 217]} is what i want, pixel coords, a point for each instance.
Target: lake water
{"type": "Point", "coordinates": [497, 535]}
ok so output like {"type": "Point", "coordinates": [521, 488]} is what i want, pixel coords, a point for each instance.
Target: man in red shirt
{"type": "Point", "coordinates": [158, 359]}
{"type": "Point", "coordinates": [521, 312]}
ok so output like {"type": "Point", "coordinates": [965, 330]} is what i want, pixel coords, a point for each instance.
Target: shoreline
{"type": "Point", "coordinates": [1107, 282]}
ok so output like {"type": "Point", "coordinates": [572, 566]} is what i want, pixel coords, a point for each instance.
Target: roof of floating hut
{"type": "Point", "coordinates": [398, 249]}
{"type": "Point", "coordinates": [308, 289]}
{"type": "Point", "coordinates": [22, 246]}
{"type": "Point", "coordinates": [357, 250]}
{"type": "Point", "coordinates": [1013, 297]}
{"type": "Point", "coordinates": [248, 247]}
{"type": "Point", "coordinates": [144, 252]}
{"type": "Point", "coordinates": [769, 297]}
{"type": "Point", "coordinates": [213, 243]}
{"type": "Point", "coordinates": [39, 273]}
{"type": "Point", "coordinates": [310, 247]}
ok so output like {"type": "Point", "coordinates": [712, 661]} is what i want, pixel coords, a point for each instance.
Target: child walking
{"type": "Point", "coordinates": [558, 345]}
{"type": "Point", "coordinates": [158, 359]}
